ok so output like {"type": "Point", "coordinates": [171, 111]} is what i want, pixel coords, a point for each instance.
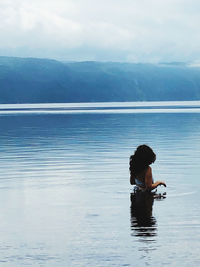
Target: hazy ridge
{"type": "Point", "coordinates": [31, 80]}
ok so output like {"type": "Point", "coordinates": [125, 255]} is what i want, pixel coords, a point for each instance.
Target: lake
{"type": "Point", "coordinates": [65, 192]}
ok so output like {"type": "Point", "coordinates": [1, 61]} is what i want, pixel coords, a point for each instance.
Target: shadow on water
{"type": "Point", "coordinates": [143, 224]}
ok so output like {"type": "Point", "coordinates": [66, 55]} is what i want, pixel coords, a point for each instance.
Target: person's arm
{"type": "Point", "coordinates": [149, 180]}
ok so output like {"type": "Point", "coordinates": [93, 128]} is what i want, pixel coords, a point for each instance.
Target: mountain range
{"type": "Point", "coordinates": [33, 80]}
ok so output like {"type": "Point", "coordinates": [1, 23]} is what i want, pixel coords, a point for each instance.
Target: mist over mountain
{"type": "Point", "coordinates": [32, 80]}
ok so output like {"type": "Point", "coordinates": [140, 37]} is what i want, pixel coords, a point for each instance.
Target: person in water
{"type": "Point", "coordinates": [140, 170]}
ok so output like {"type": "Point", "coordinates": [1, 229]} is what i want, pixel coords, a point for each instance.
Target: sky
{"type": "Point", "coordinates": [101, 30]}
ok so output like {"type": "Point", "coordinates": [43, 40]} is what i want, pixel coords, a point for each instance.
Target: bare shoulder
{"type": "Point", "coordinates": [148, 171]}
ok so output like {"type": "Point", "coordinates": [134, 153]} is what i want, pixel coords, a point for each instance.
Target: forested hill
{"type": "Point", "coordinates": [31, 80]}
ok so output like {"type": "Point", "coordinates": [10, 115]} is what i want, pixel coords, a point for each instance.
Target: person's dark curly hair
{"type": "Point", "coordinates": [141, 159]}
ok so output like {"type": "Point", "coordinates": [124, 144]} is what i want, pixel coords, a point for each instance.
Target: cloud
{"type": "Point", "coordinates": [124, 30]}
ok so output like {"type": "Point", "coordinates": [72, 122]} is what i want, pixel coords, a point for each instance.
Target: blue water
{"type": "Point", "coordinates": [64, 185]}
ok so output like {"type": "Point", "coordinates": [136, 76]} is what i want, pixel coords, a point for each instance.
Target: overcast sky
{"type": "Point", "coordinates": [104, 30]}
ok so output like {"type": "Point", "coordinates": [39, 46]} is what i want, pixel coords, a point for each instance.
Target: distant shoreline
{"type": "Point", "coordinates": [102, 108]}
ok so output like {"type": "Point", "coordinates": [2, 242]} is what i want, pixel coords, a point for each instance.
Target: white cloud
{"type": "Point", "coordinates": [128, 30]}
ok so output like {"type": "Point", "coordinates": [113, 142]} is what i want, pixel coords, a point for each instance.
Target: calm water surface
{"type": "Point", "coordinates": [65, 193]}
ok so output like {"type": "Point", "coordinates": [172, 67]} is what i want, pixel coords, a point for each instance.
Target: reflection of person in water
{"type": "Point", "coordinates": [140, 171]}
{"type": "Point", "coordinates": [142, 220]}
